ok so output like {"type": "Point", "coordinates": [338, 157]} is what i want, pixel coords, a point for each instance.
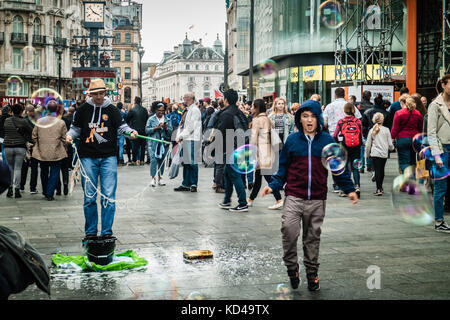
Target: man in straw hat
{"type": "Point", "coordinates": [97, 123]}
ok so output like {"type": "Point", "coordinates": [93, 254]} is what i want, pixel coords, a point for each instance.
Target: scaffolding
{"type": "Point", "coordinates": [364, 42]}
{"type": "Point", "coordinates": [445, 38]}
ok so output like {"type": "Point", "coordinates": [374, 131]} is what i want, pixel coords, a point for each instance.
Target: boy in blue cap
{"type": "Point", "coordinates": [301, 169]}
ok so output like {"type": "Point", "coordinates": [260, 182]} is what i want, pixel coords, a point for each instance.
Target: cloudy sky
{"type": "Point", "coordinates": [166, 22]}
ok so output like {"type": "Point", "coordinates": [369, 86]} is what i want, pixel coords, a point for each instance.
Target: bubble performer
{"type": "Point", "coordinates": [97, 123]}
{"type": "Point", "coordinates": [439, 140]}
{"type": "Point", "coordinates": [301, 169]}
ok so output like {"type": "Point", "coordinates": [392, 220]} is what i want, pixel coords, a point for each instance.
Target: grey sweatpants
{"type": "Point", "coordinates": [310, 213]}
{"type": "Point", "coordinates": [14, 157]}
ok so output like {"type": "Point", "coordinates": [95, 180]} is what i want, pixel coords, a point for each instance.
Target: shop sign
{"type": "Point", "coordinates": [312, 73]}
{"type": "Point", "coordinates": [294, 74]}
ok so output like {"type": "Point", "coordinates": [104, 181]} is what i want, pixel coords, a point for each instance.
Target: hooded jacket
{"type": "Point", "coordinates": [98, 127]}
{"type": "Point", "coordinates": [300, 165]}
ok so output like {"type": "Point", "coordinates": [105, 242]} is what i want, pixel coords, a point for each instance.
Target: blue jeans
{"type": "Point", "coordinates": [156, 163]}
{"type": "Point", "coordinates": [106, 169]}
{"type": "Point", "coordinates": [49, 183]}
{"type": "Point", "coordinates": [190, 160]}
{"type": "Point", "coordinates": [406, 154]}
{"type": "Point", "coordinates": [440, 187]}
{"type": "Point", "coordinates": [3, 154]}
{"type": "Point", "coordinates": [120, 143]}
{"type": "Point", "coordinates": [231, 177]}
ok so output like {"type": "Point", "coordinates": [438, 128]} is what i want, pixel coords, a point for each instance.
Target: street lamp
{"type": "Point", "coordinates": [59, 50]}
{"type": "Point", "coordinates": [141, 54]}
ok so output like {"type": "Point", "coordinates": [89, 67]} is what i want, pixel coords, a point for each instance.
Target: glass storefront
{"type": "Point", "coordinates": [288, 28]}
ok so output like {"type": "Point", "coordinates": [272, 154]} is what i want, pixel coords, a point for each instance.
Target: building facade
{"type": "Point", "coordinates": [149, 85]}
{"type": "Point", "coordinates": [34, 46]}
{"type": "Point", "coordinates": [190, 67]}
{"type": "Point", "coordinates": [127, 23]}
{"type": "Point", "coordinates": [297, 40]}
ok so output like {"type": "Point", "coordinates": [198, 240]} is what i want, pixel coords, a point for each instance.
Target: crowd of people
{"type": "Point", "coordinates": [289, 139]}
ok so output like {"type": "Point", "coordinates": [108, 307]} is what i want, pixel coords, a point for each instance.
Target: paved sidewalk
{"type": "Point", "coordinates": [161, 224]}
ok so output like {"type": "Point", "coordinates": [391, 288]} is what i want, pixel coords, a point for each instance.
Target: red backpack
{"type": "Point", "coordinates": [351, 132]}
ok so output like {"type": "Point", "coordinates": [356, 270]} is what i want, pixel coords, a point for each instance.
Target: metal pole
{"type": "Point", "coordinates": [140, 72]}
{"type": "Point", "coordinates": [225, 67]}
{"type": "Point", "coordinates": [59, 73]}
{"type": "Point", "coordinates": [250, 76]}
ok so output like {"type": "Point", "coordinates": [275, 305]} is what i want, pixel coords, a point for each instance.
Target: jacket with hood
{"type": "Point", "coordinates": [300, 165]}
{"type": "Point", "coordinates": [438, 125]}
{"type": "Point", "coordinates": [98, 127]}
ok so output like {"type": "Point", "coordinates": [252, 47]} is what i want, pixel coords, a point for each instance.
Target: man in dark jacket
{"type": "Point", "coordinates": [305, 183]}
{"type": "Point", "coordinates": [137, 119]}
{"type": "Point", "coordinates": [230, 119]}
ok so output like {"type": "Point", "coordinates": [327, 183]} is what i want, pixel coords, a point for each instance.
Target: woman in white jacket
{"type": "Point", "coordinates": [378, 144]}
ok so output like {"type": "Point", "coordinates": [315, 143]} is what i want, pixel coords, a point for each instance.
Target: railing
{"type": "Point", "coordinates": [37, 39]}
{"type": "Point", "coordinates": [19, 37]}
{"type": "Point", "coordinates": [29, 5]}
{"type": "Point", "coordinates": [60, 41]}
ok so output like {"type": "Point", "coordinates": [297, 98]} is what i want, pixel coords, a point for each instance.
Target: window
{"type": "Point", "coordinates": [118, 38]}
{"type": "Point", "coordinates": [127, 38]}
{"type": "Point", "coordinates": [37, 27]}
{"type": "Point", "coordinates": [37, 60]}
{"type": "Point", "coordinates": [118, 72]}
{"type": "Point", "coordinates": [188, 67]}
{"type": "Point", "coordinates": [127, 73]}
{"type": "Point", "coordinates": [197, 67]}
{"type": "Point", "coordinates": [216, 68]}
{"type": "Point", "coordinates": [127, 95]}
{"type": "Point", "coordinates": [206, 78]}
{"type": "Point", "coordinates": [128, 55]}
{"type": "Point", "coordinates": [19, 89]}
{"type": "Point", "coordinates": [18, 24]}
{"type": "Point", "coordinates": [17, 58]}
{"type": "Point", "coordinates": [55, 3]}
{"type": "Point", "coordinates": [207, 67]}
{"type": "Point", "coordinates": [192, 79]}
{"type": "Point", "coordinates": [190, 88]}
{"type": "Point", "coordinates": [206, 87]}
{"type": "Point", "coordinates": [117, 55]}
{"type": "Point", "coordinates": [58, 30]}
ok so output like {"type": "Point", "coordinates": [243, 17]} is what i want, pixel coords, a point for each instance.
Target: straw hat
{"type": "Point", "coordinates": [96, 85]}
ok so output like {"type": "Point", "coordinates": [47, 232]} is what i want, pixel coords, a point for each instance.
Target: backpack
{"type": "Point", "coordinates": [351, 132]}
{"type": "Point", "coordinates": [240, 122]}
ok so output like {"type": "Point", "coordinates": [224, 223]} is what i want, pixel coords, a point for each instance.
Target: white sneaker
{"type": "Point", "coordinates": [161, 182]}
{"type": "Point", "coordinates": [276, 206]}
{"type": "Point", "coordinates": [153, 182]}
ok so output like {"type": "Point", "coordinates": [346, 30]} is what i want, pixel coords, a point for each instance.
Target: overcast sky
{"type": "Point", "coordinates": [165, 23]}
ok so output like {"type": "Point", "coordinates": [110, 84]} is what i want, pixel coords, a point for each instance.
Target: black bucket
{"type": "Point", "coordinates": [101, 251]}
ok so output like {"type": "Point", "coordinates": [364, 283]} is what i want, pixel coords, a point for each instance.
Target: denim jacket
{"type": "Point", "coordinates": [160, 134]}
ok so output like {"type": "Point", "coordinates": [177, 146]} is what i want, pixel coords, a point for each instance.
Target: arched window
{"type": "Point", "coordinates": [58, 30]}
{"type": "Point", "coordinates": [37, 27]}
{"type": "Point", "coordinates": [18, 24]}
{"type": "Point", "coordinates": [206, 87]}
{"type": "Point", "coordinates": [127, 95]}
{"type": "Point", "coordinates": [190, 88]}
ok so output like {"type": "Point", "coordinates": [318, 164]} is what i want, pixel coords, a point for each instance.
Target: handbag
{"type": "Point", "coordinates": [421, 169]}
{"type": "Point", "coordinates": [23, 132]}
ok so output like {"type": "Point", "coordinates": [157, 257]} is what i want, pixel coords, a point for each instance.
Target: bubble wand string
{"type": "Point", "coordinates": [97, 191]}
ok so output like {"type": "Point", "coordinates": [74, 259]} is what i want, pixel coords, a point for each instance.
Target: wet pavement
{"type": "Point", "coordinates": [159, 224]}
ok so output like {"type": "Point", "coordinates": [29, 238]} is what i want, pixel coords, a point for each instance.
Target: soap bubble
{"type": "Point", "coordinates": [330, 14]}
{"type": "Point", "coordinates": [419, 142]}
{"type": "Point", "coordinates": [412, 201]}
{"type": "Point", "coordinates": [14, 85]}
{"type": "Point", "coordinates": [284, 292]}
{"type": "Point", "coordinates": [42, 117]}
{"type": "Point", "coordinates": [334, 158]}
{"type": "Point", "coordinates": [243, 159]}
{"type": "Point", "coordinates": [357, 164]}
{"type": "Point", "coordinates": [195, 295]}
{"type": "Point", "coordinates": [268, 67]}
{"type": "Point", "coordinates": [28, 54]}
{"type": "Point", "coordinates": [426, 154]}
